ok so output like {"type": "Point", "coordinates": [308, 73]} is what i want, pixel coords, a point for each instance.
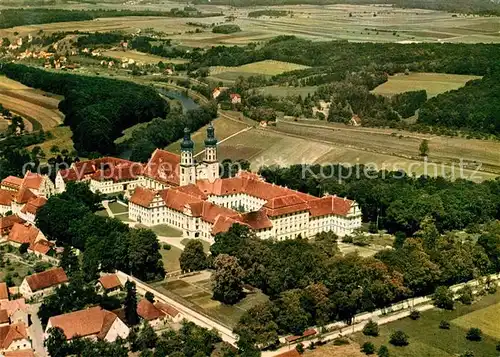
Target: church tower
{"type": "Point", "coordinates": [210, 160]}
{"type": "Point", "coordinates": [188, 168]}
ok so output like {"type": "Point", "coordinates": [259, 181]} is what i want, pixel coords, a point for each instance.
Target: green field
{"type": "Point", "coordinates": [118, 208]}
{"type": "Point", "coordinates": [170, 258]}
{"type": "Point", "coordinates": [198, 294]}
{"type": "Point", "coordinates": [487, 319]}
{"type": "Point", "coordinates": [433, 83]}
{"type": "Point", "coordinates": [427, 339]}
{"type": "Point", "coordinates": [266, 68]}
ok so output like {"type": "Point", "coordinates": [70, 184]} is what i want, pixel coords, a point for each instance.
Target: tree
{"type": "Point", "coordinates": [383, 351]}
{"type": "Point", "coordinates": [399, 338]}
{"type": "Point", "coordinates": [465, 295]}
{"type": "Point", "coordinates": [23, 248]}
{"type": "Point", "coordinates": [69, 261]}
{"type": "Point", "coordinates": [146, 338]}
{"type": "Point", "coordinates": [371, 329]}
{"type": "Point", "coordinates": [80, 192]}
{"type": "Point", "coordinates": [150, 297]}
{"type": "Point", "coordinates": [56, 343]}
{"type": "Point", "coordinates": [443, 298]}
{"type": "Point", "coordinates": [227, 280]}
{"type": "Point", "coordinates": [424, 148]}
{"type": "Point", "coordinates": [444, 325]}
{"type": "Point", "coordinates": [130, 304]}
{"type": "Point", "coordinates": [474, 334]}
{"type": "Point", "coordinates": [368, 348]}
{"type": "Point", "coordinates": [144, 255]}
{"type": "Point", "coordinates": [428, 233]}
{"type": "Point", "coordinates": [257, 328]}
{"type": "Point", "coordinates": [193, 257]}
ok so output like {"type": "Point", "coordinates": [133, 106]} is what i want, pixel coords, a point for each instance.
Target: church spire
{"type": "Point", "coordinates": [187, 144]}
{"type": "Point", "coordinates": [211, 140]}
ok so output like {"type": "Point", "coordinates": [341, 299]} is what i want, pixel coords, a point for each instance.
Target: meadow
{"type": "Point", "coordinates": [433, 83]}
{"type": "Point", "coordinates": [486, 318]}
{"type": "Point", "coordinates": [196, 292]}
{"type": "Point", "coordinates": [319, 23]}
{"type": "Point", "coordinates": [427, 339]}
{"type": "Point", "coordinates": [40, 109]}
{"type": "Point", "coordinates": [266, 68]}
{"type": "Point", "coordinates": [284, 91]}
{"type": "Point", "coordinates": [61, 137]}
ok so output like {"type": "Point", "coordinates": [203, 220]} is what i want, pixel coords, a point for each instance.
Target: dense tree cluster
{"type": "Point", "coordinates": [95, 123]}
{"type": "Point", "coordinates": [100, 38]}
{"type": "Point", "coordinates": [268, 12]}
{"type": "Point", "coordinates": [33, 16]}
{"type": "Point", "coordinates": [162, 132]}
{"type": "Point", "coordinates": [163, 48]}
{"type": "Point", "coordinates": [309, 283]}
{"type": "Point", "coordinates": [108, 244]}
{"type": "Point", "coordinates": [395, 200]}
{"type": "Point", "coordinates": [226, 28]}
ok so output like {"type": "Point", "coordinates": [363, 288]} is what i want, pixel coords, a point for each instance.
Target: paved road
{"type": "Point", "coordinates": [35, 331]}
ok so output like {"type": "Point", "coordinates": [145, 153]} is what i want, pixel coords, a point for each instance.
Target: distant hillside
{"type": "Point", "coordinates": [463, 6]}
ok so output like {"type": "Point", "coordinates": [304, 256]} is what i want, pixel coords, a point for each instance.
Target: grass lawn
{"type": "Point", "coordinates": [102, 213]}
{"type": "Point", "coordinates": [62, 138]}
{"type": "Point", "coordinates": [488, 319]}
{"type": "Point", "coordinates": [170, 258]}
{"type": "Point", "coordinates": [427, 339]}
{"type": "Point", "coordinates": [206, 245]}
{"type": "Point", "coordinates": [433, 83]}
{"type": "Point", "coordinates": [118, 208]}
{"type": "Point", "coordinates": [16, 269]}
{"type": "Point", "coordinates": [200, 295]}
{"type": "Point", "coordinates": [166, 231]}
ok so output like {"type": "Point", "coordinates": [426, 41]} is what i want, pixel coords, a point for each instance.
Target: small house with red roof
{"type": "Point", "coordinates": [109, 283]}
{"type": "Point", "coordinates": [42, 284]}
{"type": "Point", "coordinates": [14, 337]}
{"type": "Point", "coordinates": [149, 312]}
{"type": "Point", "coordinates": [171, 312]}
{"type": "Point", "coordinates": [235, 98]}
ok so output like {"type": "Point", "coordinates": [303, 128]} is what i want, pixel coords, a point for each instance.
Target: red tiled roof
{"type": "Point", "coordinates": [11, 333]}
{"type": "Point", "coordinates": [32, 180]}
{"type": "Point", "coordinates": [110, 281]}
{"type": "Point", "coordinates": [178, 200]}
{"type": "Point", "coordinates": [11, 306]}
{"type": "Point", "coordinates": [306, 333]}
{"type": "Point", "coordinates": [89, 322]}
{"type": "Point", "coordinates": [164, 167]}
{"type": "Point", "coordinates": [23, 233]}
{"type": "Point", "coordinates": [41, 246]}
{"type": "Point", "coordinates": [222, 224]}
{"type": "Point", "coordinates": [4, 316]}
{"type": "Point", "coordinates": [124, 172]}
{"type": "Point", "coordinates": [20, 353]}
{"type": "Point", "coordinates": [257, 220]}
{"type": "Point", "coordinates": [9, 221]}
{"type": "Point", "coordinates": [148, 311]}
{"type": "Point", "coordinates": [330, 205]}
{"type": "Point", "coordinates": [34, 205]}
{"type": "Point", "coordinates": [167, 309]}
{"type": "Point", "coordinates": [24, 195]}
{"type": "Point", "coordinates": [46, 279]}
{"type": "Point", "coordinates": [6, 197]}
{"type": "Point", "coordinates": [84, 169]}
{"type": "Point", "coordinates": [12, 181]}
{"type": "Point", "coordinates": [143, 196]}
{"type": "Point", "coordinates": [4, 292]}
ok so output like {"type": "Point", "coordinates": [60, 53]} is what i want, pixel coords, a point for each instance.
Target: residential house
{"type": "Point", "coordinates": [6, 197]}
{"type": "Point", "coordinates": [42, 284]}
{"type": "Point", "coordinates": [14, 337]}
{"type": "Point", "coordinates": [235, 98]}
{"type": "Point", "coordinates": [93, 323]}
{"type": "Point", "coordinates": [26, 233]}
{"type": "Point", "coordinates": [4, 292]}
{"type": "Point", "coordinates": [149, 312]}
{"type": "Point", "coordinates": [171, 312]}
{"type": "Point", "coordinates": [17, 311]}
{"type": "Point", "coordinates": [216, 92]}
{"type": "Point", "coordinates": [109, 283]}
{"type": "Point", "coordinates": [30, 209]}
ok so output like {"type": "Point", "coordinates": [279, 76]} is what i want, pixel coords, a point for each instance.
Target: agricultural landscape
{"type": "Point", "coordinates": [395, 107]}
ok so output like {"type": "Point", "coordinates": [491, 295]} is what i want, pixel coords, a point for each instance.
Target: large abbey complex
{"type": "Point", "coordinates": [179, 192]}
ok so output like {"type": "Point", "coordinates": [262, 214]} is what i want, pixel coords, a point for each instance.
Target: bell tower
{"type": "Point", "coordinates": [187, 169]}
{"type": "Point", "coordinates": [210, 160]}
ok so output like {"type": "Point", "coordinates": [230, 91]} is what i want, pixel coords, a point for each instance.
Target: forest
{"type": "Point", "coordinates": [347, 72]}
{"type": "Point", "coordinates": [33, 16]}
{"type": "Point", "coordinates": [95, 124]}
{"type": "Point", "coordinates": [484, 7]}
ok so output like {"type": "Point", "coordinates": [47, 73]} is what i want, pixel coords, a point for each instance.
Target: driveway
{"type": "Point", "coordinates": [35, 331]}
